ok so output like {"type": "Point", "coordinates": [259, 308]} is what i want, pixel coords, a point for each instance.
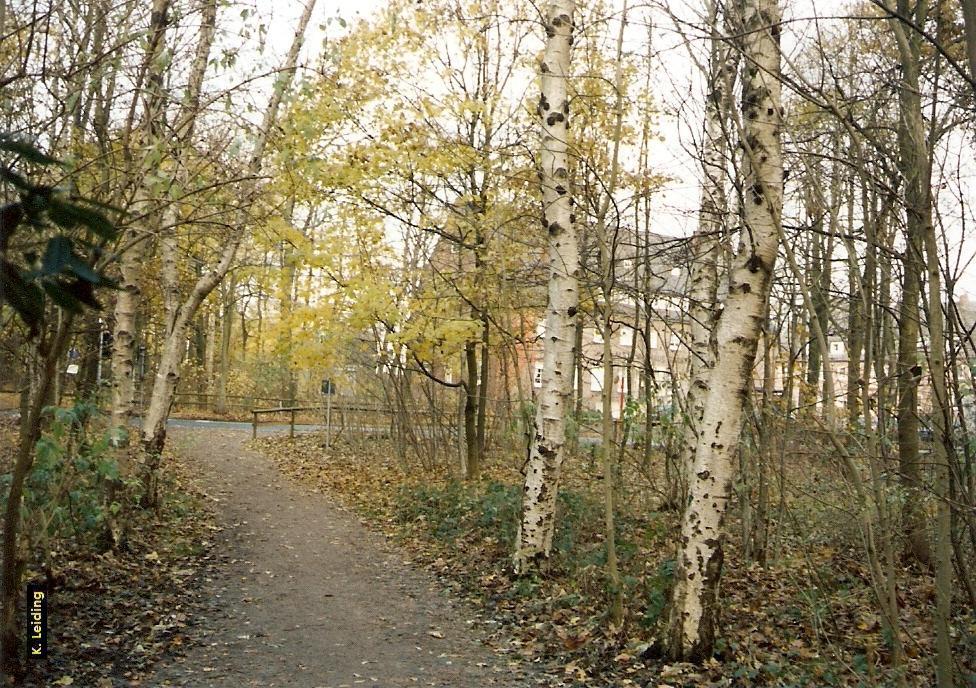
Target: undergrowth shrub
{"type": "Point", "coordinates": [450, 510]}
{"type": "Point", "coordinates": [65, 493]}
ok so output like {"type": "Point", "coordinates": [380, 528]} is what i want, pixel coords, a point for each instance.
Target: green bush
{"type": "Point", "coordinates": [441, 508]}
{"type": "Point", "coordinates": [64, 495]}
{"type": "Point", "coordinates": [576, 515]}
{"type": "Point", "coordinates": [658, 593]}
{"type": "Point", "coordinates": [498, 510]}
{"type": "Point", "coordinates": [451, 510]}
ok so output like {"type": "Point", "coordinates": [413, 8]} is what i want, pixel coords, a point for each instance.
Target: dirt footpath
{"type": "Point", "coordinates": [308, 597]}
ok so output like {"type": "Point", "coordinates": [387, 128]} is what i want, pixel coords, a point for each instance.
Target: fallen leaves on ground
{"type": "Point", "coordinates": [113, 614]}
{"type": "Point", "coordinates": [808, 620]}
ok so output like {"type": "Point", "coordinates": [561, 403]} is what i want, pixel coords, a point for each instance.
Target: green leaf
{"type": "Point", "coordinates": [10, 216]}
{"type": "Point", "coordinates": [24, 297]}
{"type": "Point", "coordinates": [84, 292]}
{"type": "Point", "coordinates": [60, 294]}
{"type": "Point", "coordinates": [26, 151]}
{"type": "Point", "coordinates": [66, 214]}
{"type": "Point", "coordinates": [57, 255]}
{"type": "Point", "coordinates": [108, 469]}
{"type": "Point", "coordinates": [84, 271]}
{"type": "Point", "coordinates": [14, 179]}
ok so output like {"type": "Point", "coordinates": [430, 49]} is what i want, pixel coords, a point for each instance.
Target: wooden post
{"type": "Point", "coordinates": [254, 426]}
{"type": "Point", "coordinates": [291, 431]}
{"type": "Point", "coordinates": [328, 420]}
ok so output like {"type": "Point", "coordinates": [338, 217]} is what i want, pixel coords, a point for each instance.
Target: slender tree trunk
{"type": "Point", "coordinates": [815, 356]}
{"type": "Point", "coordinates": [209, 357]}
{"type": "Point", "coordinates": [703, 287]}
{"type": "Point", "coordinates": [912, 165]}
{"type": "Point", "coordinates": [579, 374]}
{"type": "Point", "coordinates": [915, 167]}
{"type": "Point", "coordinates": [134, 240]}
{"type": "Point", "coordinates": [855, 315]}
{"type": "Point", "coordinates": [534, 542]}
{"type": "Point", "coordinates": [169, 273]}
{"type": "Point", "coordinates": [227, 315]}
{"type": "Point", "coordinates": [942, 453]}
{"type": "Point", "coordinates": [607, 241]}
{"type": "Point", "coordinates": [471, 457]}
{"type": "Point", "coordinates": [168, 373]}
{"type": "Point", "coordinates": [485, 374]}
{"type": "Point", "coordinates": [608, 437]}
{"type": "Point", "coordinates": [969, 17]}
{"type": "Point", "coordinates": [11, 591]}
{"type": "Point", "coordinates": [759, 537]}
{"type": "Point", "coordinates": [694, 602]}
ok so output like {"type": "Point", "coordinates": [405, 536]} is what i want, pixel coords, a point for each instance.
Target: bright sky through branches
{"type": "Point", "coordinates": [677, 35]}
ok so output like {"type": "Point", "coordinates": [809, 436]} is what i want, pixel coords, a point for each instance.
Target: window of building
{"type": "Point", "coordinates": [653, 339]}
{"type": "Point", "coordinates": [626, 336]}
{"type": "Point", "coordinates": [596, 379]}
{"type": "Point", "coordinates": [837, 348]}
{"type": "Point", "coordinates": [674, 342]}
{"type": "Point", "coordinates": [597, 335]}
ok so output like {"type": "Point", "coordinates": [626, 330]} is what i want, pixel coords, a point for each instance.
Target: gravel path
{"type": "Point", "coordinates": [308, 597]}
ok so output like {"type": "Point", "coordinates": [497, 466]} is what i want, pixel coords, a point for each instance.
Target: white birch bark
{"type": "Point", "coordinates": [703, 278]}
{"type": "Point", "coordinates": [134, 239]}
{"type": "Point", "coordinates": [534, 542]}
{"type": "Point", "coordinates": [169, 271]}
{"type": "Point", "coordinates": [170, 363]}
{"type": "Point", "coordinates": [694, 603]}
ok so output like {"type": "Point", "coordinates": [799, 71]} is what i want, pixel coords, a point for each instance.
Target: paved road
{"type": "Point", "coordinates": [263, 428]}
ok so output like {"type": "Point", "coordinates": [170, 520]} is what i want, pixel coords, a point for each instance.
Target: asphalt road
{"type": "Point", "coordinates": [263, 428]}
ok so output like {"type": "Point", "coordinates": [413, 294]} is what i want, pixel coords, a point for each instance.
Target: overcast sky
{"type": "Point", "coordinates": [679, 95]}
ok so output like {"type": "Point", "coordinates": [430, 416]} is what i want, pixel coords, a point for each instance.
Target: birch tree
{"type": "Point", "coordinates": [547, 448]}
{"type": "Point", "coordinates": [134, 242]}
{"type": "Point", "coordinates": [703, 280]}
{"type": "Point", "coordinates": [167, 376]}
{"type": "Point", "coordinates": [694, 601]}
{"type": "Point", "coordinates": [607, 242]}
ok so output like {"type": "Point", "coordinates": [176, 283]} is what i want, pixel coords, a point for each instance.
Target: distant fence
{"type": "Point", "coordinates": [233, 404]}
{"type": "Point", "coordinates": [342, 415]}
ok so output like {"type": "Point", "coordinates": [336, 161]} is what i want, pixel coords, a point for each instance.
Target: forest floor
{"type": "Point", "coordinates": [306, 596]}
{"type": "Point", "coordinates": [112, 613]}
{"type": "Point", "coordinates": [807, 619]}
{"type": "Point", "coordinates": [277, 563]}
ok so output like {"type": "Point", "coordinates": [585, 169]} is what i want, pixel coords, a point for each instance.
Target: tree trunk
{"type": "Point", "coordinates": [12, 570]}
{"type": "Point", "coordinates": [134, 240]}
{"type": "Point", "coordinates": [607, 241]}
{"type": "Point", "coordinates": [470, 416]}
{"type": "Point", "coordinates": [608, 455]}
{"type": "Point", "coordinates": [913, 166]}
{"type": "Point", "coordinates": [482, 429]}
{"type": "Point", "coordinates": [210, 328]}
{"type": "Point", "coordinates": [534, 542]}
{"type": "Point", "coordinates": [914, 162]}
{"type": "Point", "coordinates": [703, 287]}
{"type": "Point", "coordinates": [694, 602]}
{"type": "Point", "coordinates": [969, 17]}
{"type": "Point", "coordinates": [168, 373]}
{"type": "Point", "coordinates": [226, 333]}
